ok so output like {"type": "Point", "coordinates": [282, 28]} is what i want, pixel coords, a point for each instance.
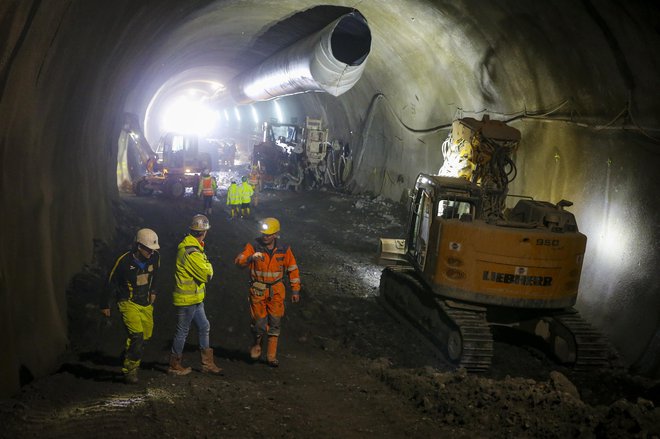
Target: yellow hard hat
{"type": "Point", "coordinates": [200, 223]}
{"type": "Point", "coordinates": [147, 238]}
{"type": "Point", "coordinates": [269, 226]}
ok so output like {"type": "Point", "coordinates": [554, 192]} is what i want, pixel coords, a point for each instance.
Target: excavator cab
{"type": "Point", "coordinates": [437, 199]}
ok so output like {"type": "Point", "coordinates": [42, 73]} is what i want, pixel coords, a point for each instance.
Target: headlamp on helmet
{"type": "Point", "coordinates": [269, 226]}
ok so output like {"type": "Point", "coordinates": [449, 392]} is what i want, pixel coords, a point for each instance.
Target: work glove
{"type": "Point", "coordinates": [295, 297]}
{"type": "Point", "coordinates": [256, 255]}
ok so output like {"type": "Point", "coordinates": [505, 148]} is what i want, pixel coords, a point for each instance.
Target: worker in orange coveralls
{"type": "Point", "coordinates": [269, 261]}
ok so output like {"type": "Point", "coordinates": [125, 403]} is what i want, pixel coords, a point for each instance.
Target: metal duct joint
{"type": "Point", "coordinates": [331, 61]}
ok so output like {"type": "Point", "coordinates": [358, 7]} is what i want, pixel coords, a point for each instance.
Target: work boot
{"type": "Point", "coordinates": [208, 363]}
{"type": "Point", "coordinates": [175, 366]}
{"type": "Point", "coordinates": [271, 354]}
{"type": "Point", "coordinates": [255, 350]}
{"type": "Point", "coordinates": [131, 377]}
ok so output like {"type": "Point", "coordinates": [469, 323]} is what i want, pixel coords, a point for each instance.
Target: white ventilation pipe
{"type": "Point", "coordinates": [332, 61]}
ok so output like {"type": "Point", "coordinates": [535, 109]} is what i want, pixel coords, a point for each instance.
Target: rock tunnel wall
{"type": "Point", "coordinates": [70, 69]}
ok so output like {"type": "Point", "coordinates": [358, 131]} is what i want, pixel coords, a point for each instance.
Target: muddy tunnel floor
{"type": "Point", "coordinates": [348, 368]}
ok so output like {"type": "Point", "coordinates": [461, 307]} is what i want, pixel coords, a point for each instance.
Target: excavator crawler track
{"type": "Point", "coordinates": [462, 334]}
{"type": "Point", "coordinates": [477, 338]}
{"type": "Point", "coordinates": [592, 349]}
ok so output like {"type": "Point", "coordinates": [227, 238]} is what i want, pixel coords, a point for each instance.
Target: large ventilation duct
{"type": "Point", "coordinates": [332, 61]}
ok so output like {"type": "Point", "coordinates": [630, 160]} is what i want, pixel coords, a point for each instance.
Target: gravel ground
{"type": "Point", "coordinates": [348, 367]}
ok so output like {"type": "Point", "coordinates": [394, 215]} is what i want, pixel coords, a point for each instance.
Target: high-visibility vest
{"type": "Point", "coordinates": [253, 178]}
{"type": "Point", "coordinates": [193, 270]}
{"type": "Point", "coordinates": [207, 186]}
{"type": "Point", "coordinates": [233, 195]}
{"type": "Point", "coordinates": [274, 266]}
{"type": "Point", "coordinates": [246, 192]}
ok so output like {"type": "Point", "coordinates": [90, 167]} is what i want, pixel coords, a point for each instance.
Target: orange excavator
{"type": "Point", "coordinates": [469, 263]}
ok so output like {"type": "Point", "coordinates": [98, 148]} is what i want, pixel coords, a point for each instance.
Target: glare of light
{"type": "Point", "coordinates": [613, 242]}
{"type": "Point", "coordinates": [186, 115]}
{"type": "Point", "coordinates": [226, 115]}
{"type": "Point", "coordinates": [237, 113]}
{"type": "Point", "coordinates": [255, 116]}
{"type": "Point", "coordinates": [278, 112]}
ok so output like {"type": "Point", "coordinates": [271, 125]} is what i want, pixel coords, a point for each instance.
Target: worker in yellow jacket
{"type": "Point", "coordinates": [246, 190]}
{"type": "Point", "coordinates": [234, 198]}
{"type": "Point", "coordinates": [193, 271]}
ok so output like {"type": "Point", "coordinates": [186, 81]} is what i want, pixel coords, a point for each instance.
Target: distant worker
{"type": "Point", "coordinates": [207, 187]}
{"type": "Point", "coordinates": [254, 178]}
{"type": "Point", "coordinates": [130, 281]}
{"type": "Point", "coordinates": [193, 271]}
{"type": "Point", "coordinates": [269, 261]}
{"type": "Point", "coordinates": [246, 190]}
{"type": "Point", "coordinates": [234, 199]}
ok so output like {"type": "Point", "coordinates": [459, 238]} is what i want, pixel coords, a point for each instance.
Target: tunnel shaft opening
{"type": "Point", "coordinates": [351, 40]}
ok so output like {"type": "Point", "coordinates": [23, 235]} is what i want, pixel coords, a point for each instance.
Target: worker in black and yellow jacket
{"type": "Point", "coordinates": [130, 281]}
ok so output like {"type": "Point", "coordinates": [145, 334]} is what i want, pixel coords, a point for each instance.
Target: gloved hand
{"type": "Point", "coordinates": [106, 312]}
{"type": "Point", "coordinates": [256, 255]}
{"type": "Point", "coordinates": [295, 297]}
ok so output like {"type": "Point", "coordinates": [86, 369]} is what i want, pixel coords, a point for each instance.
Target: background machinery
{"type": "Point", "coordinates": [174, 166]}
{"type": "Point", "coordinates": [469, 264]}
{"type": "Point", "coordinates": [295, 156]}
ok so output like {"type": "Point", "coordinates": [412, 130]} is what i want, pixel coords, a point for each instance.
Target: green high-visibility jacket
{"type": "Point", "coordinates": [193, 270]}
{"type": "Point", "coordinates": [233, 195]}
{"type": "Point", "coordinates": [246, 192]}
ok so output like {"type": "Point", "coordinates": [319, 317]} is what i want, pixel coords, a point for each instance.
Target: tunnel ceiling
{"type": "Point", "coordinates": [216, 42]}
{"type": "Point", "coordinates": [479, 58]}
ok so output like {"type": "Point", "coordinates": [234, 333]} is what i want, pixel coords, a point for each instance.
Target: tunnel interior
{"type": "Point", "coordinates": [581, 88]}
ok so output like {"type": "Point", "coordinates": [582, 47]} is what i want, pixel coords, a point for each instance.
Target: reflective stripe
{"type": "Point", "coordinates": [180, 291]}
{"type": "Point", "coordinates": [268, 273]}
{"type": "Point", "coordinates": [270, 282]}
{"type": "Point", "coordinates": [292, 267]}
{"type": "Point", "coordinates": [294, 281]}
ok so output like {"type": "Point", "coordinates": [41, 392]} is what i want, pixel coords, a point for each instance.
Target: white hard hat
{"type": "Point", "coordinates": [147, 238]}
{"type": "Point", "coordinates": [200, 223]}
